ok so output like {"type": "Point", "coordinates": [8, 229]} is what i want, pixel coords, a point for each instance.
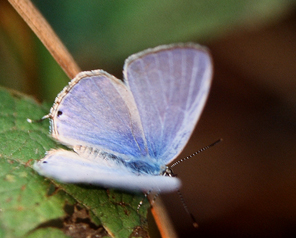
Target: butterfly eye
{"type": "Point", "coordinates": [168, 172]}
{"type": "Point", "coordinates": [60, 113]}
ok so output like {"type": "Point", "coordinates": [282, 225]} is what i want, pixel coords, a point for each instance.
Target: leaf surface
{"type": "Point", "coordinates": [31, 205]}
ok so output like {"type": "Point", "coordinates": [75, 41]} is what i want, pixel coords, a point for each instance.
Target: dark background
{"type": "Point", "coordinates": [244, 186]}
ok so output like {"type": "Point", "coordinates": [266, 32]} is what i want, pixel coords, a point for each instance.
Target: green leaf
{"type": "Point", "coordinates": [47, 233]}
{"type": "Point", "coordinates": [31, 205]}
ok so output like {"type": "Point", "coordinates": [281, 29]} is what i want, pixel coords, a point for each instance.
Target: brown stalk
{"type": "Point", "coordinates": [162, 220]}
{"type": "Point", "coordinates": [45, 33]}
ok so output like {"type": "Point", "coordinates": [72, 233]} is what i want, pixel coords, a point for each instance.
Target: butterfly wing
{"type": "Point", "coordinates": [68, 167]}
{"type": "Point", "coordinates": [170, 85]}
{"type": "Point", "coordinates": [155, 118]}
{"type": "Point", "coordinates": [97, 110]}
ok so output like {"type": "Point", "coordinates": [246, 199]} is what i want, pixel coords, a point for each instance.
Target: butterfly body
{"type": "Point", "coordinates": [137, 166]}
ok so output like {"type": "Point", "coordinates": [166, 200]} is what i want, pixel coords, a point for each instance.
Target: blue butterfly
{"type": "Point", "coordinates": [123, 134]}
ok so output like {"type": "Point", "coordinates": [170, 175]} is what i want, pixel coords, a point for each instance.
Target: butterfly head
{"type": "Point", "coordinates": [168, 172]}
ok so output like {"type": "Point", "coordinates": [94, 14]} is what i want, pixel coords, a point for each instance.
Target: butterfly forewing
{"type": "Point", "coordinates": [170, 85]}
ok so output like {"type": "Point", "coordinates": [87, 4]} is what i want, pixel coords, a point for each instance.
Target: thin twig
{"type": "Point", "coordinates": [162, 220]}
{"type": "Point", "coordinates": [47, 36]}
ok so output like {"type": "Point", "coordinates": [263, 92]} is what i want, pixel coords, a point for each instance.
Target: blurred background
{"type": "Point", "coordinates": [244, 186]}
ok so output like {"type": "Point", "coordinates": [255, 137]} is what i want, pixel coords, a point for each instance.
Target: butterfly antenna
{"type": "Point", "coordinates": [39, 120]}
{"type": "Point", "coordinates": [194, 222]}
{"type": "Point", "coordinates": [195, 153]}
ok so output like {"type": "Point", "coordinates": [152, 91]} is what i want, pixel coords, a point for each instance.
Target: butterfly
{"type": "Point", "coordinates": [123, 134]}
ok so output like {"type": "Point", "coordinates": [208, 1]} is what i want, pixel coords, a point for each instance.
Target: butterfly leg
{"type": "Point", "coordinates": [141, 202]}
{"type": "Point", "coordinates": [154, 198]}
{"type": "Point", "coordinates": [38, 120]}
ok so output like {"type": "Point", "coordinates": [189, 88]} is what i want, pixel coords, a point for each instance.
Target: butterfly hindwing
{"type": "Point", "coordinates": [69, 167]}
